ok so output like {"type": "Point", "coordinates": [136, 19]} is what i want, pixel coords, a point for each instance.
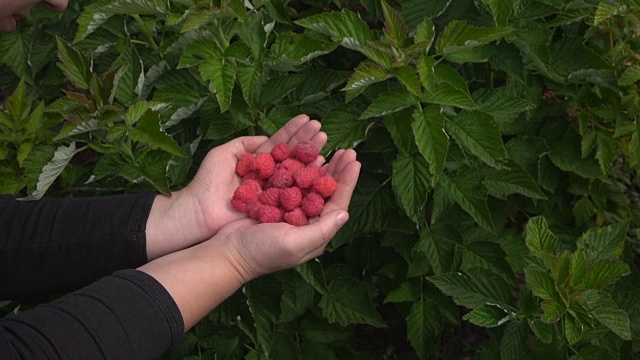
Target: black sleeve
{"type": "Point", "coordinates": [58, 245]}
{"type": "Point", "coordinates": [127, 315]}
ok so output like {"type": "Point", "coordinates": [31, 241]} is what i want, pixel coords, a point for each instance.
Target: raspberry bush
{"type": "Point", "coordinates": [497, 213]}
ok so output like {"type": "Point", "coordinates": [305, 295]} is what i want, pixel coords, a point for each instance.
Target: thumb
{"type": "Point", "coordinates": [248, 144]}
{"type": "Point", "coordinates": [318, 234]}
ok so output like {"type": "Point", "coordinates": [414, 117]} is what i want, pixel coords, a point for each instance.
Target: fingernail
{"type": "Point", "coordinates": [342, 218]}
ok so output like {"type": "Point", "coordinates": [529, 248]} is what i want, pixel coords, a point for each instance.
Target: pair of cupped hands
{"type": "Point", "coordinates": [201, 212]}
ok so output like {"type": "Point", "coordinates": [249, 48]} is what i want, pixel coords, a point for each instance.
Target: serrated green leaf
{"type": "Point", "coordinates": [88, 22]}
{"type": "Point", "coordinates": [411, 184]}
{"type": "Point", "coordinates": [572, 330]}
{"type": "Point", "coordinates": [578, 267]}
{"type": "Point", "coordinates": [607, 312]}
{"type": "Point", "coordinates": [17, 103]}
{"type": "Point", "coordinates": [408, 78]}
{"type": "Point", "coordinates": [399, 127]}
{"type": "Point", "coordinates": [447, 94]}
{"type": "Point", "coordinates": [139, 7]}
{"type": "Point", "coordinates": [320, 331]}
{"type": "Point", "coordinates": [533, 43]}
{"type": "Point", "coordinates": [394, 26]}
{"type": "Point", "coordinates": [73, 64]}
{"type": "Point", "coordinates": [389, 103]}
{"type": "Point", "coordinates": [348, 302]}
{"type": "Point", "coordinates": [464, 191]}
{"type": "Point", "coordinates": [634, 146]}
{"type": "Point", "coordinates": [604, 272]}
{"type": "Point", "coordinates": [630, 75]}
{"type": "Point", "coordinates": [540, 240]}
{"type": "Point", "coordinates": [541, 283]}
{"type": "Point", "coordinates": [514, 341]}
{"type": "Point", "coordinates": [345, 27]}
{"type": "Point", "coordinates": [503, 104]}
{"type": "Point", "coordinates": [425, 33]}
{"type": "Point", "coordinates": [500, 9]}
{"type": "Point", "coordinates": [415, 11]}
{"type": "Point", "coordinates": [459, 34]}
{"type": "Point", "coordinates": [297, 296]}
{"type": "Point", "coordinates": [50, 172]}
{"type": "Point", "coordinates": [431, 138]}
{"type": "Point", "coordinates": [473, 289]}
{"type": "Point", "coordinates": [249, 78]}
{"type": "Point", "coordinates": [344, 127]}
{"type": "Point", "coordinates": [365, 74]}
{"type": "Point", "coordinates": [552, 311]}
{"type": "Point", "coordinates": [278, 87]}
{"type": "Point", "coordinates": [221, 73]}
{"type": "Point", "coordinates": [602, 242]}
{"type": "Point", "coordinates": [148, 131]}
{"type": "Point", "coordinates": [478, 134]}
{"type": "Point", "coordinates": [426, 72]}
{"type": "Point", "coordinates": [488, 316]}
{"type": "Point", "coordinates": [439, 246]}
{"type": "Point", "coordinates": [423, 325]}
{"type": "Point", "coordinates": [290, 49]}
{"type": "Point", "coordinates": [513, 181]}
{"type": "Point", "coordinates": [605, 11]}
{"type": "Point", "coordinates": [263, 305]}
{"type": "Point", "coordinates": [542, 330]}
{"type": "Point", "coordinates": [408, 291]}
{"type": "Point", "coordinates": [153, 166]}
{"type": "Point", "coordinates": [606, 151]}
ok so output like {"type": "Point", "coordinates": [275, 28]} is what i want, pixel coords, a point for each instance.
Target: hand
{"type": "Point", "coordinates": [256, 249]}
{"type": "Point", "coordinates": [200, 210]}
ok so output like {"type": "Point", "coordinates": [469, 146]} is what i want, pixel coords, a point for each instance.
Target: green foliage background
{"type": "Point", "coordinates": [497, 213]}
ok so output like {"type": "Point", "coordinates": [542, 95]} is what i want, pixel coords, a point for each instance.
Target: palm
{"type": "Point", "coordinates": [215, 182]}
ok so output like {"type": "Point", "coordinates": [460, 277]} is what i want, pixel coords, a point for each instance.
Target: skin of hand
{"type": "Point", "coordinates": [13, 10]}
{"type": "Point", "coordinates": [201, 277]}
{"type": "Point", "coordinates": [200, 210]}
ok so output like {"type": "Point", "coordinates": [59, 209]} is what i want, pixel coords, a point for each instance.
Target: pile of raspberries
{"type": "Point", "coordinates": [283, 185]}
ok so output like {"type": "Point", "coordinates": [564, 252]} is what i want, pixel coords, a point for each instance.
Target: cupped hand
{"type": "Point", "coordinates": [201, 209]}
{"type": "Point", "coordinates": [256, 249]}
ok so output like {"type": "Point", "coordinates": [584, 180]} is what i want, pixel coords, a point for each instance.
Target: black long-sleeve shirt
{"type": "Point", "coordinates": [56, 245]}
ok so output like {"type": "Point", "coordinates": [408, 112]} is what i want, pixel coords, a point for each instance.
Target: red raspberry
{"type": "Point", "coordinates": [245, 193]}
{"type": "Point", "coordinates": [281, 178]}
{"type": "Point", "coordinates": [270, 197]}
{"type": "Point", "coordinates": [254, 175]}
{"type": "Point", "coordinates": [292, 165]}
{"type": "Point", "coordinates": [281, 152]}
{"type": "Point", "coordinates": [306, 176]}
{"type": "Point", "coordinates": [312, 204]}
{"type": "Point", "coordinates": [265, 164]}
{"type": "Point", "coordinates": [239, 205]}
{"type": "Point", "coordinates": [269, 214]}
{"type": "Point", "coordinates": [244, 164]}
{"type": "Point", "coordinates": [325, 186]}
{"type": "Point", "coordinates": [306, 152]}
{"type": "Point", "coordinates": [256, 184]}
{"type": "Point", "coordinates": [296, 217]}
{"type": "Point", "coordinates": [253, 208]}
{"type": "Point", "coordinates": [290, 198]}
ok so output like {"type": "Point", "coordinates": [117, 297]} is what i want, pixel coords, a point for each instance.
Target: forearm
{"type": "Point", "coordinates": [198, 279]}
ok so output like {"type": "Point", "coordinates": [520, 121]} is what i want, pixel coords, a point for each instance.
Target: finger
{"type": "Point", "coordinates": [7, 24]}
{"type": "Point", "coordinates": [334, 161]}
{"type": "Point", "coordinates": [347, 157]}
{"type": "Point", "coordinates": [307, 132]}
{"type": "Point", "coordinates": [287, 132]}
{"type": "Point", "coordinates": [249, 144]}
{"type": "Point", "coordinates": [319, 161]}
{"type": "Point", "coordinates": [318, 234]}
{"type": "Point", "coordinates": [346, 184]}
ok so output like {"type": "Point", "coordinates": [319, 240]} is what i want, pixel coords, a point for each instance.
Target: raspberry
{"type": "Point", "coordinates": [264, 163]}
{"type": "Point", "coordinates": [253, 207]}
{"type": "Point", "coordinates": [292, 165]}
{"type": "Point", "coordinates": [305, 177]}
{"type": "Point", "coordinates": [256, 184]}
{"type": "Point", "coordinates": [269, 214]}
{"type": "Point", "coordinates": [281, 178]}
{"type": "Point", "coordinates": [244, 164]}
{"type": "Point", "coordinates": [245, 193]}
{"type": "Point", "coordinates": [325, 186]}
{"type": "Point", "coordinates": [312, 204]}
{"type": "Point", "coordinates": [306, 152]}
{"type": "Point", "coordinates": [281, 152]}
{"type": "Point", "coordinates": [296, 217]}
{"type": "Point", "coordinates": [290, 198]}
{"type": "Point", "coordinates": [239, 205]}
{"type": "Point", "coordinates": [253, 175]}
{"type": "Point", "coordinates": [270, 196]}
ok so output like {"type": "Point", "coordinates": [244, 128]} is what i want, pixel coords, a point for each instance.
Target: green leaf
{"type": "Point", "coordinates": [15, 49]}
{"type": "Point", "coordinates": [345, 27]}
{"type": "Point", "coordinates": [473, 289]}
{"type": "Point", "coordinates": [388, 103]}
{"type": "Point", "coordinates": [607, 312]}
{"type": "Point", "coordinates": [399, 127]}
{"type": "Point", "coordinates": [426, 72]}
{"type": "Point", "coordinates": [17, 103]}
{"type": "Point", "coordinates": [540, 240]}
{"type": "Point", "coordinates": [514, 341]}
{"type": "Point", "coordinates": [52, 170]}
{"type": "Point", "coordinates": [572, 330]}
{"type": "Point", "coordinates": [607, 10]}
{"type": "Point", "coordinates": [148, 131]}
{"type": "Point", "coordinates": [578, 267]}
{"type": "Point", "coordinates": [606, 151]}
{"type": "Point", "coordinates": [365, 74]}
{"type": "Point", "coordinates": [533, 43]}
{"type": "Point", "coordinates": [347, 302]}
{"type": "Point", "coordinates": [552, 311]}
{"type": "Point", "coordinates": [447, 94]}
{"type": "Point", "coordinates": [344, 127]}
{"type": "Point", "coordinates": [513, 181]}
{"type": "Point", "coordinates": [394, 26]}
{"type": "Point", "coordinates": [464, 191]}
{"type": "Point", "coordinates": [503, 104]}
{"type": "Point", "coordinates": [411, 184]}
{"type": "Point", "coordinates": [408, 78]}
{"type": "Point", "coordinates": [88, 22]}
{"type": "Point", "coordinates": [74, 64]}
{"type": "Point", "coordinates": [34, 122]}
{"type": "Point", "coordinates": [415, 11]}
{"type": "Point", "coordinates": [604, 272]}
{"type": "Point", "coordinates": [478, 134]}
{"type": "Point", "coordinates": [316, 351]}
{"type": "Point", "coordinates": [423, 325]}
{"type": "Point", "coordinates": [138, 7]}
{"type": "Point", "coordinates": [488, 316]}
{"type": "Point", "coordinates": [607, 241]}
{"type": "Point", "coordinates": [542, 330]}
{"type": "Point", "coordinates": [292, 49]}
{"type": "Point", "coordinates": [541, 284]}
{"type": "Point", "coordinates": [459, 34]}
{"type": "Point", "coordinates": [500, 9]}
{"type": "Point", "coordinates": [408, 291]}
{"type": "Point", "coordinates": [153, 166]}
{"type": "Point", "coordinates": [221, 73]}
{"type": "Point", "coordinates": [297, 296]}
{"type": "Point", "coordinates": [249, 78]}
{"type": "Point", "coordinates": [278, 87]}
{"type": "Point", "coordinates": [425, 33]}
{"type": "Point", "coordinates": [630, 75]}
{"type": "Point", "coordinates": [431, 138]}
